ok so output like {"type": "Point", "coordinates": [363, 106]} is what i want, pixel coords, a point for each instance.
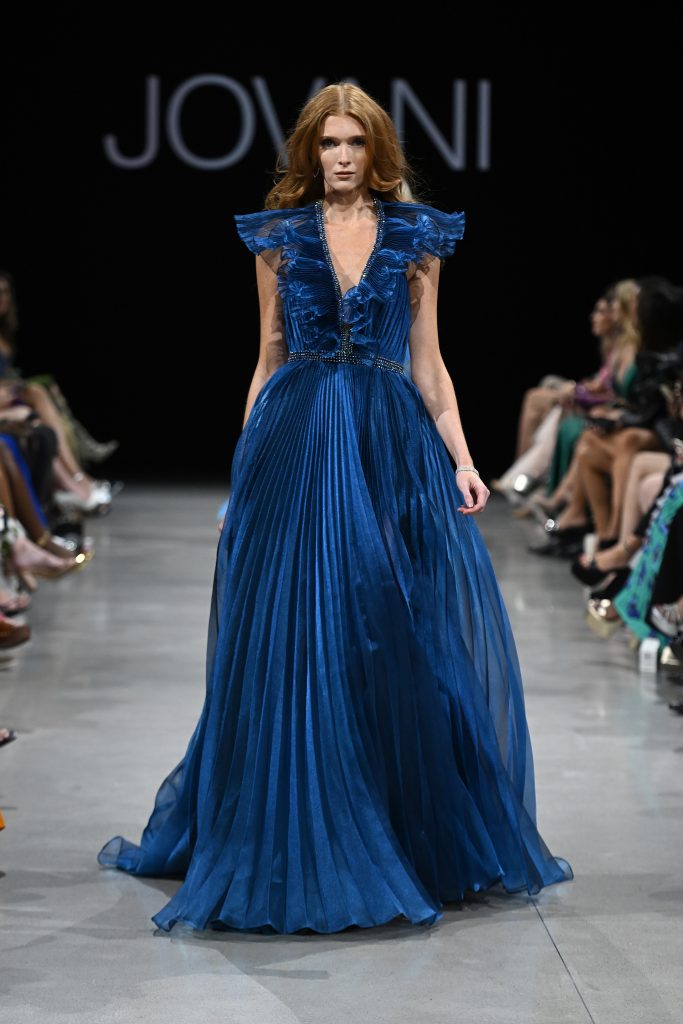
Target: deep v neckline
{"type": "Point", "coordinates": [379, 230]}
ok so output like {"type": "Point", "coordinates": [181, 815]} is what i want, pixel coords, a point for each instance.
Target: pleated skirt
{"type": "Point", "coordinates": [363, 750]}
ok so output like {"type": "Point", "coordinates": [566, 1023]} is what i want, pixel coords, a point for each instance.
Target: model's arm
{"type": "Point", "coordinates": [434, 382]}
{"type": "Point", "coordinates": [273, 347]}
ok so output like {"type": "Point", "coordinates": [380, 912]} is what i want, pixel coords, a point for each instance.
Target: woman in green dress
{"type": "Point", "coordinates": [611, 386]}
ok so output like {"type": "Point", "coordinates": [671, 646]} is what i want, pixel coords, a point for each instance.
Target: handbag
{"type": "Point", "coordinates": [586, 398]}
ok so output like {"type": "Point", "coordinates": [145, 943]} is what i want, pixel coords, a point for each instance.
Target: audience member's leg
{"type": "Point", "coordinates": [5, 489]}
{"type": "Point", "coordinates": [626, 444]}
{"type": "Point", "coordinates": [650, 487]}
{"type": "Point", "coordinates": [642, 489]}
{"type": "Point", "coordinates": [536, 404]}
{"type": "Point", "coordinates": [19, 502]}
{"type": "Point", "coordinates": [570, 429]}
{"type": "Point", "coordinates": [39, 399]}
{"type": "Point", "coordinates": [576, 512]}
{"type": "Point", "coordinates": [643, 485]}
{"type": "Point", "coordinates": [565, 489]}
{"type": "Point", "coordinates": [595, 454]}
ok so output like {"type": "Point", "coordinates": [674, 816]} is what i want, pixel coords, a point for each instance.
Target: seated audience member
{"type": "Point", "coordinates": [24, 400]}
{"type": "Point", "coordinates": [617, 302]}
{"type": "Point", "coordinates": [605, 452]}
{"type": "Point", "coordinates": [566, 406]}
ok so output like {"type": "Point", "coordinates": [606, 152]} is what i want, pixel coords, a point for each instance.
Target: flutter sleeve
{"type": "Point", "coordinates": [436, 232]}
{"type": "Point", "coordinates": [266, 229]}
{"type": "Point", "coordinates": [420, 233]}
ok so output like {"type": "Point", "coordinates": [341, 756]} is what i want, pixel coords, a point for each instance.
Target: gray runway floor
{"type": "Point", "coordinates": [105, 699]}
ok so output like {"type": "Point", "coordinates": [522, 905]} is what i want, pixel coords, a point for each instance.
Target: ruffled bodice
{"type": "Point", "coordinates": [373, 315]}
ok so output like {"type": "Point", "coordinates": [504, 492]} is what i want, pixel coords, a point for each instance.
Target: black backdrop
{"type": "Point", "coordinates": [136, 292]}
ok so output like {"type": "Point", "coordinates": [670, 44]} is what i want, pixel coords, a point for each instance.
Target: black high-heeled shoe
{"type": "Point", "coordinates": [565, 534]}
{"type": "Point", "coordinates": [563, 542]}
{"type": "Point", "coordinates": [592, 574]}
{"type": "Point", "coordinates": [11, 735]}
{"type": "Point", "coordinates": [609, 590]}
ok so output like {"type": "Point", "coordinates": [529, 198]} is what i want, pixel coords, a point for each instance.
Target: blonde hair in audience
{"type": "Point", "coordinates": [625, 298]}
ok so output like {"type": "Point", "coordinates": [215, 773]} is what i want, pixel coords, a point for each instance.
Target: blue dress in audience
{"type": "Point", "coordinates": [362, 751]}
{"type": "Point", "coordinates": [7, 370]}
{"type": "Point", "coordinates": [13, 445]}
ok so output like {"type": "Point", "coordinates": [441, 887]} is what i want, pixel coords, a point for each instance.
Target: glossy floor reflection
{"type": "Point", "coordinates": [118, 657]}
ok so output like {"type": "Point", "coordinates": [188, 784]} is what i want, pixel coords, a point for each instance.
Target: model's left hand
{"type": "Point", "coordinates": [474, 491]}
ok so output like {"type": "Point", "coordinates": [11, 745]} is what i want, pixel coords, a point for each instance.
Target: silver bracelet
{"type": "Point", "coordinates": [467, 469]}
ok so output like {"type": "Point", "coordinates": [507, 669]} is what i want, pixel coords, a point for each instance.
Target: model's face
{"type": "Point", "coordinates": [342, 153]}
{"type": "Point", "coordinates": [602, 318]}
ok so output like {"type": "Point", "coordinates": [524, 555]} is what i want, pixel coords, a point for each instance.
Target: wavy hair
{"type": "Point", "coordinates": [388, 169]}
{"type": "Point", "coordinates": [625, 295]}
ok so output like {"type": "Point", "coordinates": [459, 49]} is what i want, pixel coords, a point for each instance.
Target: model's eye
{"type": "Point", "coordinates": [331, 143]}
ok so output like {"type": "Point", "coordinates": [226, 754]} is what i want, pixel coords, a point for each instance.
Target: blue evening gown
{"type": "Point", "coordinates": [363, 750]}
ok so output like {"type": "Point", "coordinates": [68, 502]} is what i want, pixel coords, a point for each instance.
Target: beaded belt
{"type": "Point", "coordinates": [345, 356]}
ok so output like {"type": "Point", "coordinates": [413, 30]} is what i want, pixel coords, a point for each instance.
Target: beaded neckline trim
{"type": "Point", "coordinates": [379, 212]}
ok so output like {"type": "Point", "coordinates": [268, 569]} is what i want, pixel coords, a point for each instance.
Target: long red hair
{"type": "Point", "coordinates": [388, 170]}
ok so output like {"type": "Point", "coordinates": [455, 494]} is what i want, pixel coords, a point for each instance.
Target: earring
{"type": "Point", "coordinates": [317, 171]}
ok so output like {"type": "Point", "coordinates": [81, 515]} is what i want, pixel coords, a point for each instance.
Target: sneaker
{"type": "Point", "coordinates": [667, 619]}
